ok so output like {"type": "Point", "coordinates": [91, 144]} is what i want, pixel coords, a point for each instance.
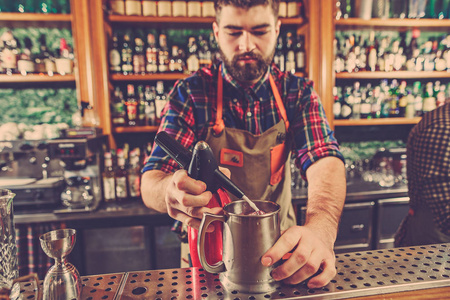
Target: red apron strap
{"type": "Point", "coordinates": [219, 125]}
{"type": "Point", "coordinates": [279, 101]}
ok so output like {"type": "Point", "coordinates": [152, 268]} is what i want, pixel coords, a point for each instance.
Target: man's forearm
{"type": "Point", "coordinates": [326, 196]}
{"type": "Point", "coordinates": [153, 187]}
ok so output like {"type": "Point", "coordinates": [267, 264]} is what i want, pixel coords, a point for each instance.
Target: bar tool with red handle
{"type": "Point", "coordinates": [202, 165]}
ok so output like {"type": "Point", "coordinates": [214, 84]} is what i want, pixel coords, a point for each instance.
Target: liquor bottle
{"type": "Point", "coordinates": [192, 61]}
{"type": "Point", "coordinates": [204, 53]}
{"type": "Point", "coordinates": [134, 174]}
{"type": "Point", "coordinates": [346, 107]}
{"type": "Point", "coordinates": [161, 99]}
{"type": "Point", "coordinates": [355, 100]}
{"type": "Point", "coordinates": [418, 99]}
{"type": "Point", "coordinates": [150, 108]}
{"type": "Point", "coordinates": [164, 8]}
{"type": "Point", "coordinates": [194, 8]}
{"type": "Point", "coordinates": [402, 96]}
{"type": "Point", "coordinates": [428, 55]}
{"type": "Point", "coordinates": [398, 9]}
{"type": "Point", "coordinates": [115, 61]}
{"type": "Point", "coordinates": [24, 6]}
{"type": "Point", "coordinates": [429, 101]}
{"type": "Point", "coordinates": [9, 53]}
{"type": "Point", "coordinates": [371, 53]}
{"type": "Point", "coordinates": [410, 111]}
{"type": "Point", "coordinates": [118, 108]}
{"type": "Point", "coordinates": [109, 184]}
{"type": "Point", "coordinates": [139, 64]}
{"type": "Point", "coordinates": [179, 8]}
{"type": "Point", "coordinates": [393, 99]}
{"type": "Point", "coordinates": [127, 56]}
{"type": "Point", "coordinates": [377, 102]}
{"type": "Point", "coordinates": [337, 106]}
{"type": "Point", "coordinates": [131, 106]}
{"type": "Point", "coordinates": [121, 177]}
{"type": "Point", "coordinates": [173, 62]}
{"type": "Point", "coordinates": [64, 63]}
{"type": "Point", "coordinates": [279, 58]}
{"type": "Point", "coordinates": [141, 107]}
{"type": "Point", "coordinates": [180, 61]}
{"type": "Point", "coordinates": [290, 54]}
{"type": "Point", "coordinates": [366, 102]}
{"type": "Point", "coordinates": [300, 53]}
{"type": "Point", "coordinates": [151, 54]}
{"type": "Point", "coordinates": [25, 64]}
{"type": "Point", "coordinates": [163, 55]}
{"type": "Point", "coordinates": [133, 8]}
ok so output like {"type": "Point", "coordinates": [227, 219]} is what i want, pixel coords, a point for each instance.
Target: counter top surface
{"type": "Point", "coordinates": [357, 191]}
{"type": "Point", "coordinates": [420, 272]}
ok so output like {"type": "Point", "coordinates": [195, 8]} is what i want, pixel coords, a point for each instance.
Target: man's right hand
{"type": "Point", "coordinates": [186, 199]}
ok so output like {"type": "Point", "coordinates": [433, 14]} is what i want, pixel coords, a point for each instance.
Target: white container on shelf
{"type": "Point", "coordinates": [194, 9]}
{"type": "Point", "coordinates": [164, 8]}
{"type": "Point", "coordinates": [133, 8]}
{"type": "Point", "coordinates": [149, 8]}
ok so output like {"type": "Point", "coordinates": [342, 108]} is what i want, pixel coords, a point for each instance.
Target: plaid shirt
{"type": "Point", "coordinates": [191, 111]}
{"type": "Point", "coordinates": [428, 166]}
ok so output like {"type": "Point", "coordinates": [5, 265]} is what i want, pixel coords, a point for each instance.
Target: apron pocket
{"type": "Point", "coordinates": [277, 162]}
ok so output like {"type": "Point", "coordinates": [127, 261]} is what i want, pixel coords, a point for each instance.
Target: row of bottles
{"type": "Point", "coordinates": [122, 175]}
{"type": "Point", "coordinates": [35, 6]}
{"type": "Point", "coordinates": [139, 106]}
{"type": "Point", "coordinates": [139, 56]}
{"type": "Point", "coordinates": [290, 53]}
{"type": "Point", "coordinates": [388, 100]}
{"type": "Point", "coordinates": [187, 8]}
{"type": "Point", "coordinates": [17, 57]}
{"type": "Point", "coordinates": [382, 52]}
{"type": "Point", "coordinates": [413, 9]}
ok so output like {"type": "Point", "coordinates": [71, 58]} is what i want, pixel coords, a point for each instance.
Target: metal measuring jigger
{"type": "Point", "coordinates": [62, 280]}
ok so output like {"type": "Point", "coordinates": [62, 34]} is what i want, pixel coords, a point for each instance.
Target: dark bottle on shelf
{"type": "Point", "coordinates": [279, 57]}
{"type": "Point", "coordinates": [151, 54]}
{"type": "Point", "coordinates": [290, 53]}
{"type": "Point", "coordinates": [371, 55]}
{"type": "Point", "coordinates": [118, 108]}
{"type": "Point", "coordinates": [24, 6]}
{"type": "Point", "coordinates": [9, 53]}
{"type": "Point", "coordinates": [160, 100]}
{"type": "Point", "coordinates": [300, 59]}
{"type": "Point", "coordinates": [121, 177]}
{"type": "Point", "coordinates": [139, 56]}
{"type": "Point", "coordinates": [141, 106]}
{"type": "Point", "coordinates": [134, 174]}
{"type": "Point", "coordinates": [25, 64]}
{"type": "Point", "coordinates": [109, 184]}
{"type": "Point", "coordinates": [150, 108]}
{"type": "Point", "coordinates": [115, 60]}
{"type": "Point", "coordinates": [127, 56]}
{"type": "Point", "coordinates": [163, 55]}
{"type": "Point", "coordinates": [192, 61]}
{"type": "Point", "coordinates": [398, 9]}
{"type": "Point", "coordinates": [205, 58]}
{"type": "Point", "coordinates": [131, 105]}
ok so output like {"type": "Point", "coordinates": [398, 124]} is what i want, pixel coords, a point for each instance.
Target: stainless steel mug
{"type": "Point", "coordinates": [246, 238]}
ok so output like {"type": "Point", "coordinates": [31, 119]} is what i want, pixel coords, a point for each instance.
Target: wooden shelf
{"type": "Point", "coordinates": [135, 129]}
{"type": "Point", "coordinates": [156, 76]}
{"type": "Point", "coordinates": [383, 121]}
{"type": "Point", "coordinates": [35, 17]}
{"type": "Point", "coordinates": [393, 75]}
{"type": "Point", "coordinates": [398, 24]}
{"type": "Point", "coordinates": [17, 78]}
{"type": "Point", "coordinates": [186, 20]}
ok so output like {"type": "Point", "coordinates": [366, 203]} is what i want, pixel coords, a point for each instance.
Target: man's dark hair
{"type": "Point", "coordinates": [246, 4]}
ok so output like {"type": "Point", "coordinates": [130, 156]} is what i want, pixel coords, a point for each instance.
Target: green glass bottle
{"type": "Point", "coordinates": [431, 9]}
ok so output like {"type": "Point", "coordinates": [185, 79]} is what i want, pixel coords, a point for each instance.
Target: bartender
{"type": "Point", "coordinates": [254, 116]}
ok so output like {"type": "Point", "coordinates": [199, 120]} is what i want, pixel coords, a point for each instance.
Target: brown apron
{"type": "Point", "coordinates": [259, 164]}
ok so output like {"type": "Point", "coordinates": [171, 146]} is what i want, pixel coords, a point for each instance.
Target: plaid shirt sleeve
{"type": "Point", "coordinates": [313, 137]}
{"type": "Point", "coordinates": [178, 121]}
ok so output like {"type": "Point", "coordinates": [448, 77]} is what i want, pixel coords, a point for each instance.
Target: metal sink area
{"type": "Point", "coordinates": [359, 274]}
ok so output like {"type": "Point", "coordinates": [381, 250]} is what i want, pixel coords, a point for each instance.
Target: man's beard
{"type": "Point", "coordinates": [247, 72]}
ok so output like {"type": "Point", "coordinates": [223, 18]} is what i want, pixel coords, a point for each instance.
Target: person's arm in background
{"type": "Point", "coordinates": [311, 245]}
